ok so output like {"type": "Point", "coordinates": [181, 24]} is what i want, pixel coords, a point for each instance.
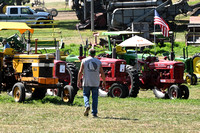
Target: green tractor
{"type": "Point", "coordinates": [129, 55]}
{"type": "Point", "coordinates": [190, 71]}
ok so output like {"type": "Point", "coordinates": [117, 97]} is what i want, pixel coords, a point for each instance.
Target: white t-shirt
{"type": "Point", "coordinates": [91, 72]}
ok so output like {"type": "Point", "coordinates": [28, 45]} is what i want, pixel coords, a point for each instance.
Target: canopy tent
{"type": "Point", "coordinates": [22, 27]}
{"type": "Point", "coordinates": [136, 41]}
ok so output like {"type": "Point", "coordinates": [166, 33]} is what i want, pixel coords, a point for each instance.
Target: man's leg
{"type": "Point", "coordinates": [86, 96]}
{"type": "Point", "coordinates": [95, 92]}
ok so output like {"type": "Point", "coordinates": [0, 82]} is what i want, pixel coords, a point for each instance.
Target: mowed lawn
{"type": "Point", "coordinates": [142, 114]}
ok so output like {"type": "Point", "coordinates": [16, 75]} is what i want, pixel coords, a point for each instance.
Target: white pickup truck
{"type": "Point", "coordinates": [24, 14]}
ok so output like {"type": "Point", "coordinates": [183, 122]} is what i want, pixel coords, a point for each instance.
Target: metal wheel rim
{"type": "Point", "coordinates": [117, 92]}
{"type": "Point", "coordinates": [174, 93]}
{"type": "Point", "coordinates": [17, 93]}
{"type": "Point", "coordinates": [66, 95]}
{"type": "Point", "coordinates": [196, 61]}
{"type": "Point", "coordinates": [188, 80]}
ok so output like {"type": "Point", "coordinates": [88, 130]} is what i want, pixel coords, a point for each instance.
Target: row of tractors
{"type": "Point", "coordinates": [164, 77]}
{"type": "Point", "coordinates": [36, 73]}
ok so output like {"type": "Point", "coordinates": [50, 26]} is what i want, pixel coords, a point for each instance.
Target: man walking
{"type": "Point", "coordinates": [90, 69]}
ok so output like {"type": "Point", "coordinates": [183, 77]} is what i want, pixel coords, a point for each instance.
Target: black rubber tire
{"type": "Point", "coordinates": [189, 79]}
{"type": "Point", "coordinates": [73, 73]}
{"type": "Point", "coordinates": [53, 12]}
{"type": "Point", "coordinates": [18, 92]}
{"type": "Point", "coordinates": [174, 92]}
{"type": "Point", "coordinates": [134, 80]}
{"type": "Point", "coordinates": [67, 95]}
{"type": "Point", "coordinates": [39, 93]}
{"type": "Point", "coordinates": [194, 79]}
{"type": "Point", "coordinates": [184, 91]}
{"type": "Point", "coordinates": [118, 90]}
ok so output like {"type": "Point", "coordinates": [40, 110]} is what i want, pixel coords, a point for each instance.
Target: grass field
{"type": "Point", "coordinates": [142, 114]}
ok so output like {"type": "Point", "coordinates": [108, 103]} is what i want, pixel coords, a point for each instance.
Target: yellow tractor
{"type": "Point", "coordinates": [23, 73]}
{"type": "Point", "coordinates": [30, 73]}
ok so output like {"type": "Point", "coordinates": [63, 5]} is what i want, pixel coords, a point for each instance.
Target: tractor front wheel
{"type": "Point", "coordinates": [118, 90]}
{"type": "Point", "coordinates": [174, 92]}
{"type": "Point", "coordinates": [184, 91]}
{"type": "Point", "coordinates": [189, 79]}
{"type": "Point", "coordinates": [67, 95]}
{"type": "Point", "coordinates": [194, 78]}
{"type": "Point", "coordinates": [18, 92]}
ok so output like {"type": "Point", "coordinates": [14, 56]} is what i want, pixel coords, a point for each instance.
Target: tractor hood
{"type": "Point", "coordinates": [165, 64]}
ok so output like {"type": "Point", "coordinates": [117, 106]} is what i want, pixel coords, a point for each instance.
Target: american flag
{"type": "Point", "coordinates": [163, 25]}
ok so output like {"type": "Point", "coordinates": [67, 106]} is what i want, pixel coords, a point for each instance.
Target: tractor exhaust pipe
{"type": "Point", "coordinates": [183, 53]}
{"type": "Point", "coordinates": [81, 51]}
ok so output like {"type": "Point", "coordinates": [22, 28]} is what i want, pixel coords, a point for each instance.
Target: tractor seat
{"type": "Point", "coordinates": [120, 50]}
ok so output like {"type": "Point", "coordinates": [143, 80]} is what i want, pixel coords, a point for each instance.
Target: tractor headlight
{"type": "Point", "coordinates": [122, 68]}
{"type": "Point", "coordinates": [62, 69]}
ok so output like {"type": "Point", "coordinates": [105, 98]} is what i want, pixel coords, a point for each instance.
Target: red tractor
{"type": "Point", "coordinates": [164, 77]}
{"type": "Point", "coordinates": [120, 81]}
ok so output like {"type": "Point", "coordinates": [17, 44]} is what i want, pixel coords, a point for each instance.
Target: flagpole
{"type": "Point", "coordinates": [154, 36]}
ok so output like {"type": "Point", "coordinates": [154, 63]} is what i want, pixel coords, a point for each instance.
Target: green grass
{"type": "Point", "coordinates": [142, 114]}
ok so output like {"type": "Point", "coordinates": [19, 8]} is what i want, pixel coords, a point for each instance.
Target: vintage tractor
{"type": "Point", "coordinates": [67, 75]}
{"type": "Point", "coordinates": [121, 79]}
{"type": "Point", "coordinates": [164, 77]}
{"type": "Point", "coordinates": [189, 74]}
{"type": "Point", "coordinates": [22, 73]}
{"type": "Point", "coordinates": [128, 54]}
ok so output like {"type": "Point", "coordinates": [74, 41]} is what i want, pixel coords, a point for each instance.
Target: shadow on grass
{"type": "Point", "coordinates": [67, 25]}
{"type": "Point", "coordinates": [115, 118]}
{"type": "Point", "coordinates": [51, 99]}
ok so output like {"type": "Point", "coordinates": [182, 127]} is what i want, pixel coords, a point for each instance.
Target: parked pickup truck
{"type": "Point", "coordinates": [24, 14]}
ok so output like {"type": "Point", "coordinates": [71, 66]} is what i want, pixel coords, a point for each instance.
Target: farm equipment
{"type": "Point", "coordinates": [121, 15]}
{"type": "Point", "coordinates": [33, 73]}
{"type": "Point", "coordinates": [164, 77]}
{"type": "Point", "coordinates": [189, 74]}
{"type": "Point", "coordinates": [121, 80]}
{"type": "Point", "coordinates": [41, 8]}
{"type": "Point", "coordinates": [131, 56]}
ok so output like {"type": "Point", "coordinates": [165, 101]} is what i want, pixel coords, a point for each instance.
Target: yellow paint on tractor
{"type": "Point", "coordinates": [196, 66]}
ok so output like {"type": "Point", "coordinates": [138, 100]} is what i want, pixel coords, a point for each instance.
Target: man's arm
{"type": "Point", "coordinates": [80, 73]}
{"type": "Point", "coordinates": [103, 76]}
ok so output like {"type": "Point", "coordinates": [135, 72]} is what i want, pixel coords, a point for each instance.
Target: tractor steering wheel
{"type": "Point", "coordinates": [68, 52]}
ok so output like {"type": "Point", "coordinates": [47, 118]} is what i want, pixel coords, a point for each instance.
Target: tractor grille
{"type": "Point", "coordinates": [178, 72]}
{"type": "Point", "coordinates": [46, 71]}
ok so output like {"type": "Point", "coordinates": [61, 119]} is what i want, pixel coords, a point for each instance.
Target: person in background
{"type": "Point", "coordinates": [5, 44]}
{"type": "Point", "coordinates": [90, 69]}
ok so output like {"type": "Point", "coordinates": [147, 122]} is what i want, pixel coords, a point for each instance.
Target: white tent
{"type": "Point", "coordinates": [136, 41]}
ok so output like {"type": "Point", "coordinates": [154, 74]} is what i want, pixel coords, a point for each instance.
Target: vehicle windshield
{"type": "Point", "coordinates": [32, 10]}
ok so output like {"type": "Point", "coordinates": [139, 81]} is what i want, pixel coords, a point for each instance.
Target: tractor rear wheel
{"type": "Point", "coordinates": [174, 92]}
{"type": "Point", "coordinates": [72, 79]}
{"type": "Point", "coordinates": [184, 91]}
{"type": "Point", "coordinates": [196, 63]}
{"type": "Point", "coordinates": [18, 92]}
{"type": "Point", "coordinates": [132, 81]}
{"type": "Point", "coordinates": [118, 90]}
{"type": "Point", "coordinates": [67, 95]}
